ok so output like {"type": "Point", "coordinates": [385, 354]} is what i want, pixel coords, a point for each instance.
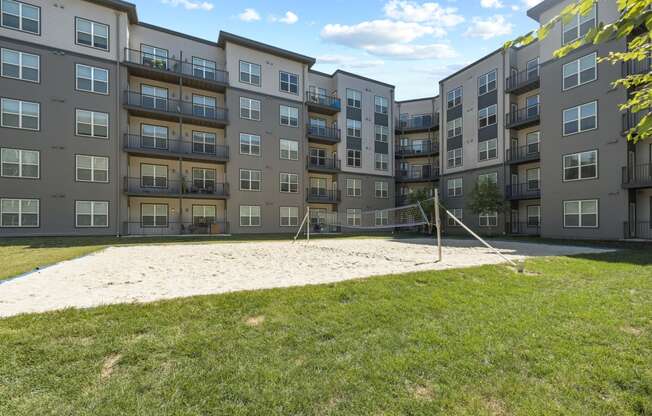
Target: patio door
{"type": "Point", "coordinates": [514, 221]}
{"type": "Point", "coordinates": [632, 220]}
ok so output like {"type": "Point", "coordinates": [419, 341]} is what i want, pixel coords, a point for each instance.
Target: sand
{"type": "Point", "coordinates": [152, 272]}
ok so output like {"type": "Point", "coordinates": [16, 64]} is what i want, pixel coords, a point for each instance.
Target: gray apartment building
{"type": "Point", "coordinates": [112, 126]}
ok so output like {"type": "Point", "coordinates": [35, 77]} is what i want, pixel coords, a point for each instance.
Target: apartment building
{"type": "Point", "coordinates": [119, 127]}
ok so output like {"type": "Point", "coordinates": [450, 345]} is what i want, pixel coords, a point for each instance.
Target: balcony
{"type": "Point", "coordinates": [522, 118]}
{"type": "Point", "coordinates": [175, 71]}
{"type": "Point", "coordinates": [426, 148]}
{"type": "Point", "coordinates": [323, 104]}
{"type": "Point", "coordinates": [166, 188]}
{"type": "Point", "coordinates": [324, 135]}
{"type": "Point", "coordinates": [524, 228]}
{"type": "Point", "coordinates": [523, 191]}
{"type": "Point", "coordinates": [323, 164]}
{"type": "Point", "coordinates": [323, 196]}
{"type": "Point", "coordinates": [637, 176]}
{"type": "Point", "coordinates": [175, 149]}
{"type": "Point", "coordinates": [523, 154]}
{"type": "Point", "coordinates": [172, 110]}
{"type": "Point", "coordinates": [630, 120]}
{"type": "Point", "coordinates": [176, 228]}
{"type": "Point", "coordinates": [426, 174]}
{"type": "Point", "coordinates": [418, 123]}
{"type": "Point", "coordinates": [523, 81]}
{"type": "Point", "coordinates": [636, 67]}
{"type": "Point", "coordinates": [638, 230]}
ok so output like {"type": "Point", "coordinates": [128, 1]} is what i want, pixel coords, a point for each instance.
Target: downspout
{"type": "Point", "coordinates": [116, 179]}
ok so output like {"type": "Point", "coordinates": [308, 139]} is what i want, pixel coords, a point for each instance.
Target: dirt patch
{"type": "Point", "coordinates": [496, 407]}
{"type": "Point", "coordinates": [109, 365]}
{"type": "Point", "coordinates": [424, 393]}
{"type": "Point", "coordinates": [632, 331]}
{"type": "Point", "coordinates": [255, 320]}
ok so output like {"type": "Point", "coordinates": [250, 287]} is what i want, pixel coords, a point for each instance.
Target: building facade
{"type": "Point", "coordinates": [119, 127]}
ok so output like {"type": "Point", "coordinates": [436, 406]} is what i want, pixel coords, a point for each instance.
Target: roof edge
{"type": "Point", "coordinates": [119, 5]}
{"type": "Point", "coordinates": [250, 43]}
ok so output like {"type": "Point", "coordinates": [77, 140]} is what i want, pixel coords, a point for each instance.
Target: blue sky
{"type": "Point", "coordinates": [410, 44]}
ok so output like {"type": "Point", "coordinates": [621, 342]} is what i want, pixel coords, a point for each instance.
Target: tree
{"type": "Point", "coordinates": [635, 25]}
{"type": "Point", "coordinates": [486, 198]}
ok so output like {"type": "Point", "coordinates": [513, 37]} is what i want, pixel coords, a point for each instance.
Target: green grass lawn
{"type": "Point", "coordinates": [573, 336]}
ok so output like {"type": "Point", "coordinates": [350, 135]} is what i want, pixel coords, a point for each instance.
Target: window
{"type": "Point", "coordinates": [92, 168]}
{"type": "Point", "coordinates": [491, 178]}
{"type": "Point", "coordinates": [581, 118]}
{"type": "Point", "coordinates": [532, 142]}
{"type": "Point", "coordinates": [578, 26]}
{"type": "Point", "coordinates": [487, 116]}
{"type": "Point", "coordinates": [289, 116]}
{"type": "Point", "coordinates": [20, 65]}
{"type": "Point", "coordinates": [382, 218]}
{"type": "Point", "coordinates": [353, 187]}
{"type": "Point", "coordinates": [382, 190]}
{"type": "Point", "coordinates": [204, 143]}
{"type": "Point", "coordinates": [455, 157]}
{"type": "Point", "coordinates": [154, 137]}
{"type": "Point", "coordinates": [204, 68]}
{"type": "Point", "coordinates": [353, 158]}
{"type": "Point", "coordinates": [249, 144]}
{"type": "Point", "coordinates": [289, 216]}
{"type": "Point", "coordinates": [382, 133]}
{"type": "Point", "coordinates": [93, 214]}
{"type": "Point", "coordinates": [289, 82]}
{"type": "Point", "coordinates": [488, 149]}
{"type": "Point", "coordinates": [318, 187]}
{"type": "Point", "coordinates": [155, 57]}
{"type": "Point", "coordinates": [289, 149]}
{"type": "Point", "coordinates": [454, 97]}
{"type": "Point", "coordinates": [489, 219]}
{"type": "Point", "coordinates": [487, 82]}
{"type": "Point", "coordinates": [204, 180]}
{"type": "Point", "coordinates": [249, 216]}
{"type": "Point", "coordinates": [154, 215]}
{"type": "Point", "coordinates": [454, 128]}
{"type": "Point", "coordinates": [353, 128]}
{"type": "Point", "coordinates": [533, 177]}
{"type": "Point", "coordinates": [21, 16]}
{"type": "Point", "coordinates": [93, 34]}
{"type": "Point", "coordinates": [532, 68]}
{"type": "Point", "coordinates": [457, 213]}
{"type": "Point", "coordinates": [250, 73]}
{"type": "Point", "coordinates": [580, 71]}
{"type": "Point", "coordinates": [204, 214]}
{"type": "Point", "coordinates": [153, 176]}
{"type": "Point", "coordinates": [19, 213]}
{"type": "Point", "coordinates": [249, 109]}
{"type": "Point", "coordinates": [455, 187]}
{"type": "Point", "coordinates": [382, 161]}
{"type": "Point", "coordinates": [250, 179]}
{"type": "Point", "coordinates": [20, 114]}
{"type": "Point", "coordinates": [353, 98]}
{"type": "Point", "coordinates": [154, 97]}
{"type": "Point", "coordinates": [18, 163]}
{"type": "Point", "coordinates": [380, 105]}
{"type": "Point", "coordinates": [204, 106]}
{"type": "Point", "coordinates": [533, 215]}
{"type": "Point", "coordinates": [579, 166]}
{"type": "Point", "coordinates": [92, 124]}
{"type": "Point", "coordinates": [353, 216]}
{"type": "Point", "coordinates": [92, 79]}
{"type": "Point", "coordinates": [582, 214]}
{"type": "Point", "coordinates": [290, 183]}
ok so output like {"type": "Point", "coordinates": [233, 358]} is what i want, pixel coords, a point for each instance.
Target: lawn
{"type": "Point", "coordinates": [572, 336]}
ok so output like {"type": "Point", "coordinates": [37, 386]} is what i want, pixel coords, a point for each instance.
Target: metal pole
{"type": "Point", "coordinates": [438, 223]}
{"type": "Point", "coordinates": [308, 223]}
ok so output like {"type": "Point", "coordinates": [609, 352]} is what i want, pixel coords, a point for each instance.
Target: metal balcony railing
{"type": "Point", "coordinates": [421, 121]}
{"type": "Point", "coordinates": [158, 145]}
{"type": "Point", "coordinates": [636, 67]}
{"type": "Point", "coordinates": [523, 81]}
{"type": "Point", "coordinates": [324, 133]}
{"type": "Point", "coordinates": [640, 230]}
{"type": "Point", "coordinates": [175, 107]}
{"type": "Point", "coordinates": [425, 174]}
{"type": "Point", "coordinates": [204, 227]}
{"type": "Point", "coordinates": [416, 149]}
{"type": "Point", "coordinates": [323, 195]}
{"type": "Point", "coordinates": [158, 186]}
{"type": "Point", "coordinates": [323, 100]}
{"type": "Point", "coordinates": [524, 228]}
{"type": "Point", "coordinates": [637, 175]}
{"type": "Point", "coordinates": [530, 190]}
{"type": "Point", "coordinates": [176, 67]}
{"type": "Point", "coordinates": [322, 163]}
{"type": "Point", "coordinates": [522, 117]}
{"type": "Point", "coordinates": [525, 153]}
{"type": "Point", "coordinates": [630, 120]}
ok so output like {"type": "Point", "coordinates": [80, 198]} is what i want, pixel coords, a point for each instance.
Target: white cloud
{"type": "Point", "coordinates": [190, 4]}
{"type": "Point", "coordinates": [515, 7]}
{"type": "Point", "coordinates": [249, 15]}
{"type": "Point", "coordinates": [491, 4]}
{"type": "Point", "coordinates": [347, 61]}
{"type": "Point", "coordinates": [290, 18]}
{"type": "Point", "coordinates": [430, 13]}
{"type": "Point", "coordinates": [407, 51]}
{"type": "Point", "coordinates": [375, 33]}
{"type": "Point", "coordinates": [531, 3]}
{"type": "Point", "coordinates": [488, 28]}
